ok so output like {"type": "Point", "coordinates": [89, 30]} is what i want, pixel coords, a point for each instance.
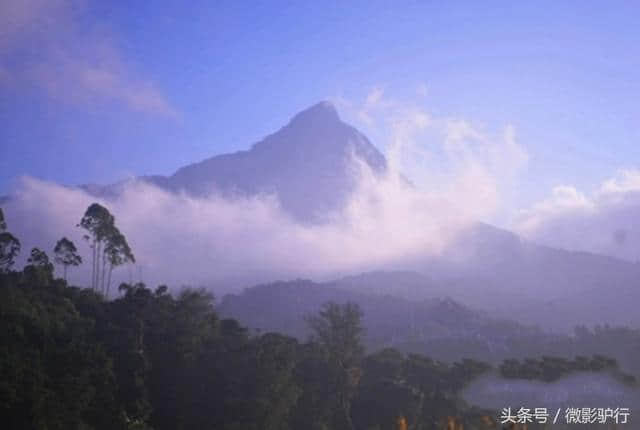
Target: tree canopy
{"type": "Point", "coordinates": [66, 254]}
{"type": "Point", "coordinates": [109, 247]}
{"type": "Point", "coordinates": [9, 246]}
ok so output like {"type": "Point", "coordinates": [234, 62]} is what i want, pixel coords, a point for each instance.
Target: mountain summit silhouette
{"type": "Point", "coordinates": [307, 164]}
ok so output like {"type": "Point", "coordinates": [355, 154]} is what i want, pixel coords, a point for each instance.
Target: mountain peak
{"type": "Point", "coordinates": [320, 113]}
{"type": "Point", "coordinates": [307, 165]}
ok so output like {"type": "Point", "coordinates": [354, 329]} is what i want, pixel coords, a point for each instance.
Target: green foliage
{"type": "Point", "coordinates": [66, 254]}
{"type": "Point", "coordinates": [9, 250]}
{"type": "Point", "coordinates": [152, 360]}
{"type": "Point", "coordinates": [109, 247]}
{"type": "Point", "coordinates": [3, 223]}
{"type": "Point", "coordinates": [39, 269]}
{"type": "Point", "coordinates": [9, 246]}
{"type": "Point", "coordinates": [338, 331]}
{"type": "Point", "coordinates": [54, 373]}
{"type": "Point", "coordinates": [97, 220]}
{"type": "Point", "coordinates": [117, 253]}
{"type": "Point", "coordinates": [385, 394]}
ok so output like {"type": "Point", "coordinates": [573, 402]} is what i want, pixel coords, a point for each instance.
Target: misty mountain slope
{"type": "Point", "coordinates": [389, 321]}
{"type": "Point", "coordinates": [444, 329]}
{"type": "Point", "coordinates": [510, 277]}
{"type": "Point", "coordinates": [490, 253]}
{"type": "Point", "coordinates": [560, 285]}
{"type": "Point", "coordinates": [401, 283]}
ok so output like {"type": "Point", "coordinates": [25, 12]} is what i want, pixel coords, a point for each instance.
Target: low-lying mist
{"type": "Point", "coordinates": [182, 240]}
{"type": "Point", "coordinates": [577, 390]}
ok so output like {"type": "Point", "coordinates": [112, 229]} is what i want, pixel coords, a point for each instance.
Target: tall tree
{"type": "Point", "coordinates": [109, 246]}
{"type": "Point", "coordinates": [117, 252]}
{"type": "Point", "coordinates": [3, 223]}
{"type": "Point", "coordinates": [338, 330]}
{"type": "Point", "coordinates": [9, 249]}
{"type": "Point", "coordinates": [9, 246]}
{"type": "Point", "coordinates": [66, 254]}
{"type": "Point", "coordinates": [39, 269]}
{"type": "Point", "coordinates": [99, 223]}
{"type": "Point", "coordinates": [39, 258]}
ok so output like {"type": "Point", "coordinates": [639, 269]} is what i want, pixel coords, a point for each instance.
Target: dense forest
{"type": "Point", "coordinates": [147, 359]}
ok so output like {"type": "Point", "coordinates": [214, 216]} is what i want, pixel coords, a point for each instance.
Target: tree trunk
{"type": "Point", "coordinates": [98, 287]}
{"type": "Point", "coordinates": [93, 264]}
{"type": "Point", "coordinates": [109, 279]}
{"type": "Point", "coordinates": [104, 262]}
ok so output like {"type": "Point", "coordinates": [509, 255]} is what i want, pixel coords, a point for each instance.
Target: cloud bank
{"type": "Point", "coordinates": [604, 221]}
{"type": "Point", "coordinates": [459, 159]}
{"type": "Point", "coordinates": [182, 240]}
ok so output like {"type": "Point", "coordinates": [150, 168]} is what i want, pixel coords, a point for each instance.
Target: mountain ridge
{"type": "Point", "coordinates": [307, 164]}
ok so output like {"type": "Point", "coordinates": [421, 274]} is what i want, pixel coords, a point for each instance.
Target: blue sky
{"type": "Point", "coordinates": [98, 91]}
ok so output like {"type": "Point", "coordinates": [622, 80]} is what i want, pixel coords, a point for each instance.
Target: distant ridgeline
{"type": "Point", "coordinates": [440, 328]}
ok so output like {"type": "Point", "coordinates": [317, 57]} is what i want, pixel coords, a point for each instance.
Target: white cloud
{"type": "Point", "coordinates": [454, 157]}
{"type": "Point", "coordinates": [374, 101]}
{"type": "Point", "coordinates": [215, 241]}
{"type": "Point", "coordinates": [48, 43]}
{"type": "Point", "coordinates": [627, 181]}
{"type": "Point", "coordinates": [604, 221]}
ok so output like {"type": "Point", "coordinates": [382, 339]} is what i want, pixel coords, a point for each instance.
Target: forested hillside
{"type": "Point", "coordinates": [441, 328]}
{"type": "Point", "coordinates": [149, 360]}
{"type": "Point", "coordinates": [71, 359]}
